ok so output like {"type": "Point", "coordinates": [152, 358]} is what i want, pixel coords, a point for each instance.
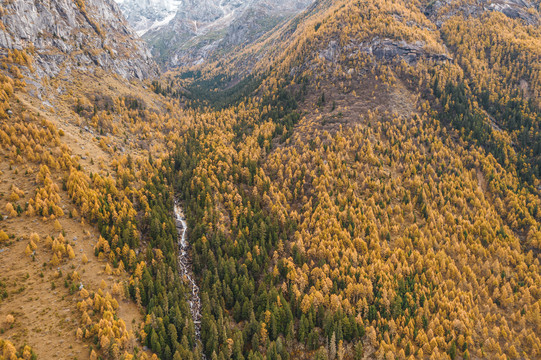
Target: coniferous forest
{"type": "Point", "coordinates": [362, 182]}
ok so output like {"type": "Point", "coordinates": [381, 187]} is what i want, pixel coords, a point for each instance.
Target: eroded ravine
{"type": "Point", "coordinates": [185, 266]}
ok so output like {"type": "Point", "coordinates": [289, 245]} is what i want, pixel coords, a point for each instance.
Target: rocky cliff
{"type": "Point", "coordinates": [64, 35]}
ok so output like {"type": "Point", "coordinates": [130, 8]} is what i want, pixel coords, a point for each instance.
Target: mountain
{"type": "Point", "coordinates": [144, 15]}
{"type": "Point", "coordinates": [67, 35]}
{"type": "Point", "coordinates": [355, 180]}
{"type": "Point", "coordinates": [202, 30]}
{"type": "Point", "coordinates": [370, 187]}
{"type": "Point", "coordinates": [74, 103]}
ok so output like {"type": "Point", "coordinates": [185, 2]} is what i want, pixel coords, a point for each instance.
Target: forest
{"type": "Point", "coordinates": [340, 204]}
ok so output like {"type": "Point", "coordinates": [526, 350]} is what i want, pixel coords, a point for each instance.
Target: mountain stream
{"type": "Point", "coordinates": [185, 266]}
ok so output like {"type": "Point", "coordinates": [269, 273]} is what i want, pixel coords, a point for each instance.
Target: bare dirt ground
{"type": "Point", "coordinates": [367, 95]}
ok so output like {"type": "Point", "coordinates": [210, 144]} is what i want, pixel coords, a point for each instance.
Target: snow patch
{"type": "Point", "coordinates": [145, 15]}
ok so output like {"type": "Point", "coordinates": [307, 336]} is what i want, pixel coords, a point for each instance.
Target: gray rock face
{"type": "Point", "coordinates": [382, 50]}
{"type": "Point", "coordinates": [441, 10]}
{"type": "Point", "coordinates": [514, 9]}
{"type": "Point", "coordinates": [388, 49]}
{"type": "Point", "coordinates": [203, 28]}
{"type": "Point", "coordinates": [205, 11]}
{"type": "Point", "coordinates": [75, 34]}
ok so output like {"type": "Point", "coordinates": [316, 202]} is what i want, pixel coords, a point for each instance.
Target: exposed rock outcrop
{"type": "Point", "coordinates": [387, 49]}
{"type": "Point", "coordinates": [441, 10]}
{"type": "Point", "coordinates": [74, 34]}
{"type": "Point", "coordinates": [383, 50]}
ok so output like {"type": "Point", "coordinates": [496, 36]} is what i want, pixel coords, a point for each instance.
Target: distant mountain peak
{"type": "Point", "coordinates": [191, 31]}
{"type": "Point", "coordinates": [144, 15]}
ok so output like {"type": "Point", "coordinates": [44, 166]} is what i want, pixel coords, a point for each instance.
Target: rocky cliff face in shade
{"type": "Point", "coordinates": [74, 34]}
{"type": "Point", "coordinates": [204, 28]}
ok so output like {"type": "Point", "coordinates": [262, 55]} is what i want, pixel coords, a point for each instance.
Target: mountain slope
{"type": "Point", "coordinates": [377, 194]}
{"type": "Point", "coordinates": [64, 35]}
{"type": "Point", "coordinates": [361, 182]}
{"type": "Point", "coordinates": [85, 214]}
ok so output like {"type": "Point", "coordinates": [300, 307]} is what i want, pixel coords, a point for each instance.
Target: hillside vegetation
{"type": "Point", "coordinates": [369, 190]}
{"type": "Point", "coordinates": [377, 196]}
{"type": "Point", "coordinates": [88, 244]}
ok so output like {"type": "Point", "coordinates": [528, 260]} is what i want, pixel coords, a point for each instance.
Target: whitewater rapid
{"type": "Point", "coordinates": [185, 267]}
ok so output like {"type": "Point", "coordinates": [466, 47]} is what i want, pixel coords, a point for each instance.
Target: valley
{"type": "Point", "coordinates": [257, 180]}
